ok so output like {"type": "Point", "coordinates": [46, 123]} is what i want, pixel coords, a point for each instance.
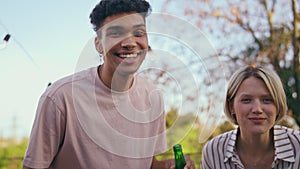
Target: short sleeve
{"type": "Point", "coordinates": [46, 135]}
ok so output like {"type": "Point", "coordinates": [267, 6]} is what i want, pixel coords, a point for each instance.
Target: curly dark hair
{"type": "Point", "coordinates": [106, 8]}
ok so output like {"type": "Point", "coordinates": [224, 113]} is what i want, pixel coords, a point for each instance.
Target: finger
{"type": "Point", "coordinates": [190, 165]}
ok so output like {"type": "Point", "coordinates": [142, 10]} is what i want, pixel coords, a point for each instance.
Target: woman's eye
{"type": "Point", "coordinates": [246, 100]}
{"type": "Point", "coordinates": [267, 100]}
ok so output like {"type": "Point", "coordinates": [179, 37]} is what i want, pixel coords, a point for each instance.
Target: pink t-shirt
{"type": "Point", "coordinates": [81, 124]}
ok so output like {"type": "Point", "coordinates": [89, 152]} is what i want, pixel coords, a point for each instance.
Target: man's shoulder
{"type": "Point", "coordinates": [66, 83]}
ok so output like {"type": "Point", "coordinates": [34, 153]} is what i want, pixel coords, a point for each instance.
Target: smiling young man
{"type": "Point", "coordinates": [106, 116]}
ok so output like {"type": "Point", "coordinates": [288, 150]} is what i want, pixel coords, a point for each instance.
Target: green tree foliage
{"type": "Point", "coordinates": [12, 153]}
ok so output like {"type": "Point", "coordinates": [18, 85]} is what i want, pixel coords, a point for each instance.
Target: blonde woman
{"type": "Point", "coordinates": [255, 102]}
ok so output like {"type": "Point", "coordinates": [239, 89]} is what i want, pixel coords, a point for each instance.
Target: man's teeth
{"type": "Point", "coordinates": [128, 55]}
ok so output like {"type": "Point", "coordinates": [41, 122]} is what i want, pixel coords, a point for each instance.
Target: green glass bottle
{"type": "Point", "coordinates": [179, 158]}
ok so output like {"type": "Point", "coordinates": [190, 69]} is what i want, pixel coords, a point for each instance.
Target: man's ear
{"type": "Point", "coordinates": [98, 45]}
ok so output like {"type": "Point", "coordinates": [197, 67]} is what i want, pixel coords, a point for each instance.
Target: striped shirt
{"type": "Point", "coordinates": [220, 152]}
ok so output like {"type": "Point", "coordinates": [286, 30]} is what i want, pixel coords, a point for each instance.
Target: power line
{"type": "Point", "coordinates": [26, 52]}
{"type": "Point", "coordinates": [6, 39]}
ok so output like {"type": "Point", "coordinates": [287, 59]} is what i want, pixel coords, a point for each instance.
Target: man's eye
{"type": "Point", "coordinates": [139, 33]}
{"type": "Point", "coordinates": [115, 34]}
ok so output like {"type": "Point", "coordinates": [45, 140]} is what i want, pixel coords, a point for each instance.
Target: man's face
{"type": "Point", "coordinates": [123, 42]}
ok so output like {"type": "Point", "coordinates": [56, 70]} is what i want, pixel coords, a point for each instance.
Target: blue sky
{"type": "Point", "coordinates": [47, 38]}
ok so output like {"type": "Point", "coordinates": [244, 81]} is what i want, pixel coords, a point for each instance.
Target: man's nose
{"type": "Point", "coordinates": [128, 42]}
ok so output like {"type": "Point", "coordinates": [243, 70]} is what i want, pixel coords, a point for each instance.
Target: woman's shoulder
{"type": "Point", "coordinates": [223, 138]}
{"type": "Point", "coordinates": [227, 134]}
{"type": "Point", "coordinates": [279, 129]}
{"type": "Point", "coordinates": [287, 141]}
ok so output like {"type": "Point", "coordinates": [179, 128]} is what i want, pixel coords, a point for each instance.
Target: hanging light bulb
{"type": "Point", "coordinates": [5, 41]}
{"type": "Point", "coordinates": [6, 38]}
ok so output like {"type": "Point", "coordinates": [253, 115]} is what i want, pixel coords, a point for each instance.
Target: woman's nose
{"type": "Point", "coordinates": [257, 107]}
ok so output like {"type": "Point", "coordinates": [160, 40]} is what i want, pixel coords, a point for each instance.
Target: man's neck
{"type": "Point", "coordinates": [115, 81]}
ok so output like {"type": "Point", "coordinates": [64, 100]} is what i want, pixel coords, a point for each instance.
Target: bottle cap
{"type": "Point", "coordinates": [177, 147]}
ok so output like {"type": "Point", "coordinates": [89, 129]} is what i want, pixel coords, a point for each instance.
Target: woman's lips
{"type": "Point", "coordinates": [257, 119]}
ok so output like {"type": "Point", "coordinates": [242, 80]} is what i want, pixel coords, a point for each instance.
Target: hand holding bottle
{"type": "Point", "coordinates": [181, 161]}
{"type": "Point", "coordinates": [170, 163]}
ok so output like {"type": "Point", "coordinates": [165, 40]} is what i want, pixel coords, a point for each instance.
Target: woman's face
{"type": "Point", "coordinates": [254, 107]}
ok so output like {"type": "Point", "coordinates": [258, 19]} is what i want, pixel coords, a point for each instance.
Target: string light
{"type": "Point", "coordinates": [5, 41]}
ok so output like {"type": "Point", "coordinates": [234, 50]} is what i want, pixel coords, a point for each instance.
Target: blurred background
{"type": "Point", "coordinates": [202, 42]}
